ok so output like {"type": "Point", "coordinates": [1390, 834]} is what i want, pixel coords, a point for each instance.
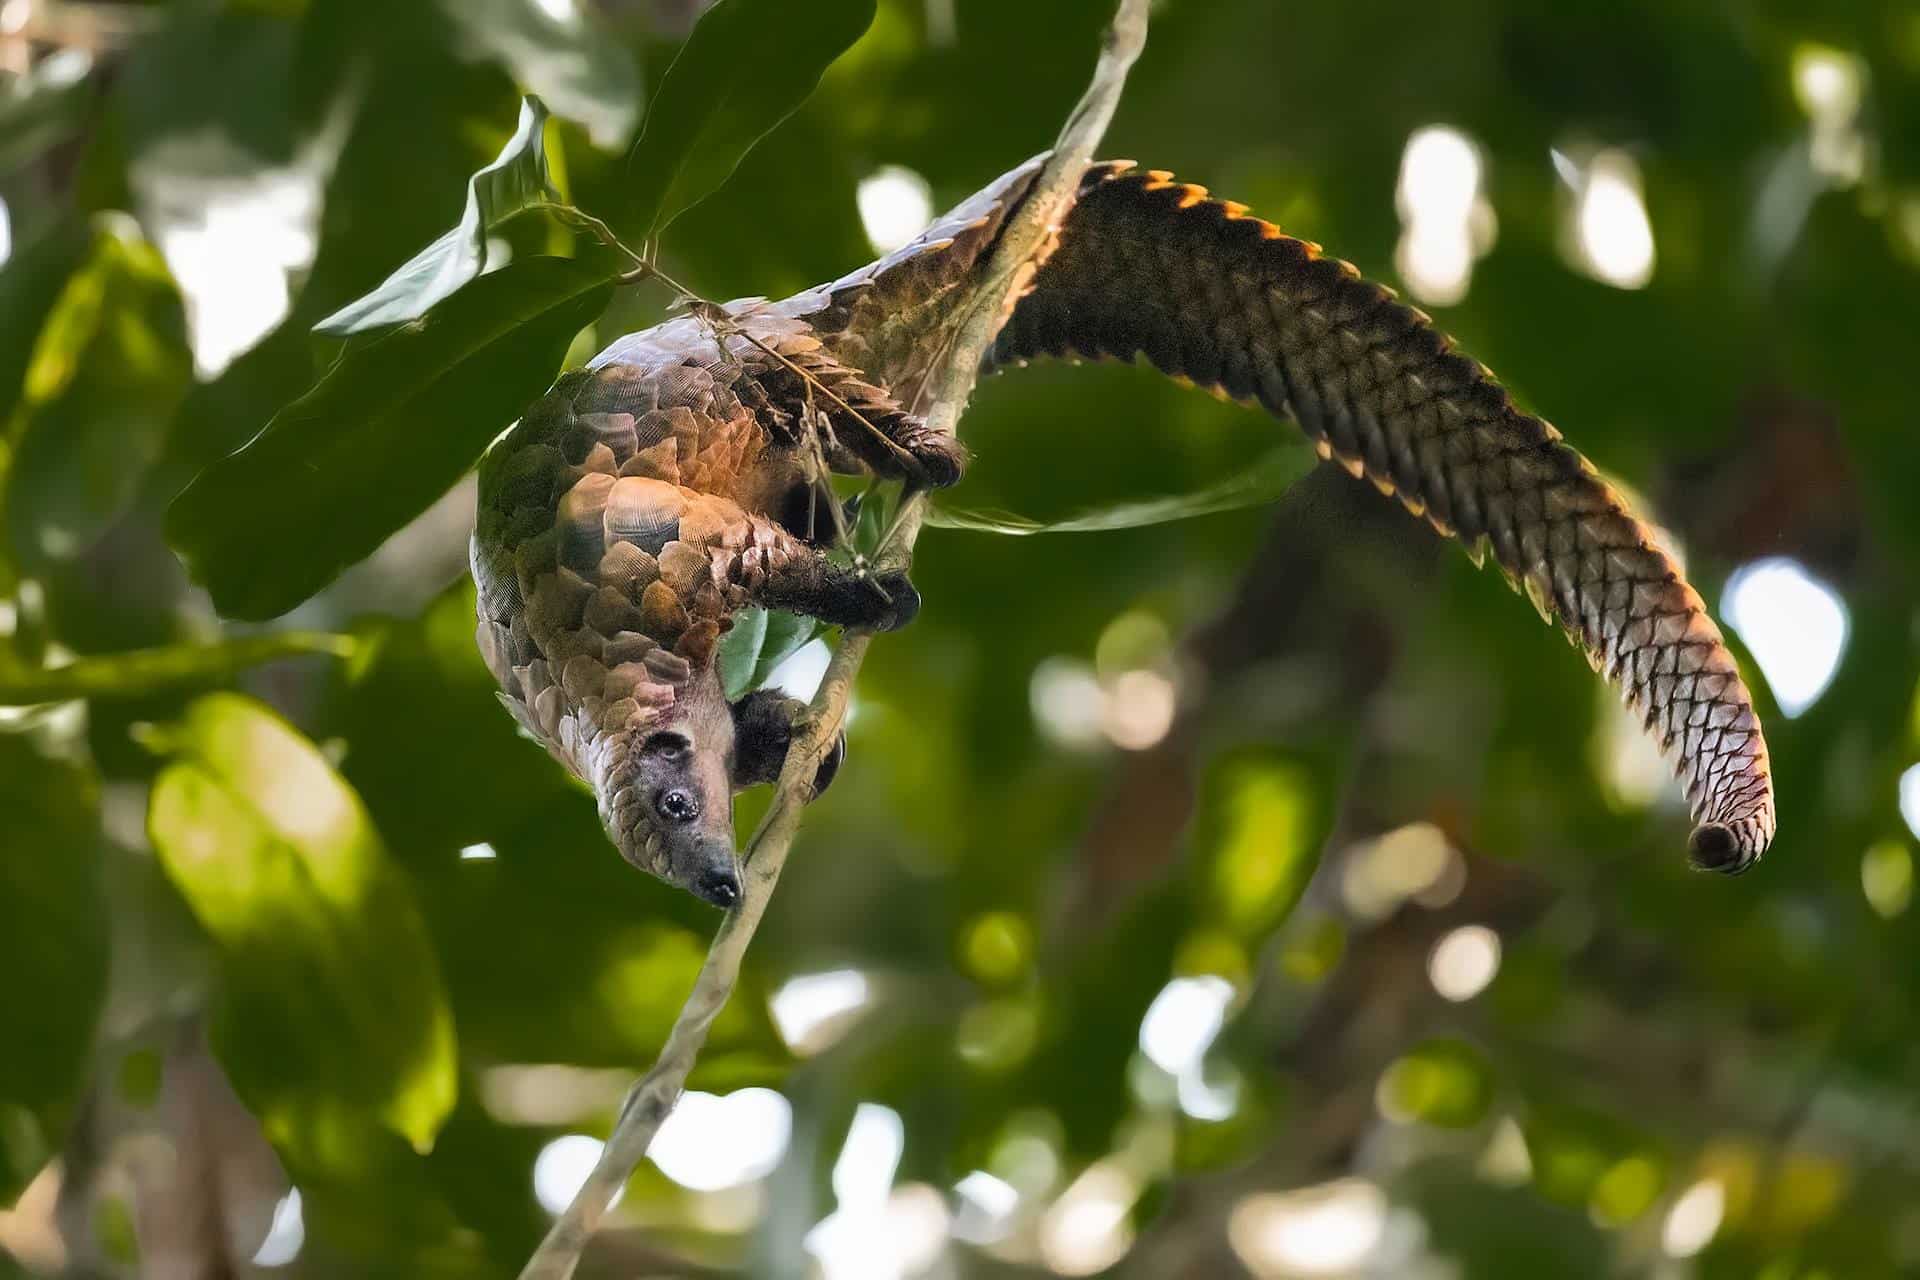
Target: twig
{"type": "Point", "coordinates": [1007, 272]}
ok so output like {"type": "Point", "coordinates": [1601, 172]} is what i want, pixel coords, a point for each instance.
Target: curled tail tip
{"type": "Point", "coordinates": [1728, 849]}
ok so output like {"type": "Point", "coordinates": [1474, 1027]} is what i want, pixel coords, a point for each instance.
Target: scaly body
{"type": "Point", "coordinates": [677, 480]}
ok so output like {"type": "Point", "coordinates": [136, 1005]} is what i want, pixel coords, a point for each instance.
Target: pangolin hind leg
{"type": "Point", "coordinates": [865, 423]}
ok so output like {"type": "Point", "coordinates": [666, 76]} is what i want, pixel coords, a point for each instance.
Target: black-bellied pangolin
{"type": "Point", "coordinates": [677, 479]}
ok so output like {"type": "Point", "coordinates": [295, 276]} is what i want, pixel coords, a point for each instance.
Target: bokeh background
{"type": "Point", "coordinates": [1265, 894]}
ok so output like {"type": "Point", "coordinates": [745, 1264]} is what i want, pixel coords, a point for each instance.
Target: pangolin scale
{"type": "Point", "coordinates": [678, 479]}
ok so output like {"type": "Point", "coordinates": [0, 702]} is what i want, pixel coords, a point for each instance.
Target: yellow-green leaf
{"type": "Point", "coordinates": [332, 1001]}
{"type": "Point", "coordinates": [1259, 829]}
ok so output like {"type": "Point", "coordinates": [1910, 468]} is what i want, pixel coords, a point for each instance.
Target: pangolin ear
{"type": "Point", "coordinates": [762, 728]}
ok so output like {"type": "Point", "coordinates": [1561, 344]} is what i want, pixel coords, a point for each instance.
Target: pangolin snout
{"type": "Point", "coordinates": [720, 886]}
{"type": "Point", "coordinates": [708, 867]}
{"type": "Point", "coordinates": [681, 853]}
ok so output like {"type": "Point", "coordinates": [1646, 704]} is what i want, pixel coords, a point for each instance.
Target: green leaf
{"type": "Point", "coordinates": [1259, 831]}
{"type": "Point", "coordinates": [332, 1002]}
{"type": "Point", "coordinates": [566, 59]}
{"type": "Point", "coordinates": [109, 368]}
{"type": "Point", "coordinates": [760, 641]}
{"type": "Point", "coordinates": [748, 65]}
{"type": "Point", "coordinates": [30, 284]}
{"type": "Point", "coordinates": [381, 436]}
{"type": "Point", "coordinates": [147, 671]}
{"type": "Point", "coordinates": [1262, 483]}
{"type": "Point", "coordinates": [53, 949]}
{"type": "Point", "coordinates": [515, 181]}
{"type": "Point", "coordinates": [1447, 1083]}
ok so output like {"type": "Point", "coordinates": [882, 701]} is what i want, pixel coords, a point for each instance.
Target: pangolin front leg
{"type": "Point", "coordinates": [749, 560]}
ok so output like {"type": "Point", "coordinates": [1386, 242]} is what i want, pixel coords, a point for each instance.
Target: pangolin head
{"type": "Point", "coordinates": [668, 778]}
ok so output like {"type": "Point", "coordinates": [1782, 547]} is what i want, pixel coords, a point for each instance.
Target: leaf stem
{"type": "Point", "coordinates": [1014, 258]}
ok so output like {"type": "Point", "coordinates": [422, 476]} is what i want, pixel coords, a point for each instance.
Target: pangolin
{"type": "Point", "coordinates": [679, 478]}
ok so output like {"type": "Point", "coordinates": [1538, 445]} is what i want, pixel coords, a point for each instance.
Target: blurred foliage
{"type": "Point", "coordinates": [318, 869]}
{"type": "Point", "coordinates": [275, 856]}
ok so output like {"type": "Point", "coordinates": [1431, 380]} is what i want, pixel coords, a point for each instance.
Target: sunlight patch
{"type": "Point", "coordinates": [1319, 1231]}
{"type": "Point", "coordinates": [233, 255]}
{"type": "Point", "coordinates": [1447, 223]}
{"type": "Point", "coordinates": [1088, 1229]}
{"type": "Point", "coordinates": [877, 1231]}
{"type": "Point", "coordinates": [1612, 236]}
{"type": "Point", "coordinates": [285, 1237]}
{"type": "Point", "coordinates": [562, 1168]}
{"type": "Point", "coordinates": [1795, 625]}
{"type": "Point", "coordinates": [895, 204]}
{"type": "Point", "coordinates": [815, 1009]}
{"type": "Point", "coordinates": [710, 1142]}
{"type": "Point", "coordinates": [1694, 1219]}
{"type": "Point", "coordinates": [1464, 962]}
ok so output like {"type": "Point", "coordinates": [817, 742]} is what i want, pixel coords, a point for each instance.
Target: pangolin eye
{"type": "Point", "coordinates": [677, 806]}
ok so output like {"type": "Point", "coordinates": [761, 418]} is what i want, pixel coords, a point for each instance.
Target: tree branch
{"type": "Point", "coordinates": [1022, 244]}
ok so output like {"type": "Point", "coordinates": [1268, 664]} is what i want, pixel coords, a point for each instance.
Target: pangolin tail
{"type": "Point", "coordinates": [1149, 266]}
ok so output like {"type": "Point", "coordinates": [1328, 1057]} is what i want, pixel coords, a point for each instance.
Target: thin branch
{"type": "Point", "coordinates": [142, 672]}
{"type": "Point", "coordinates": [1014, 259]}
